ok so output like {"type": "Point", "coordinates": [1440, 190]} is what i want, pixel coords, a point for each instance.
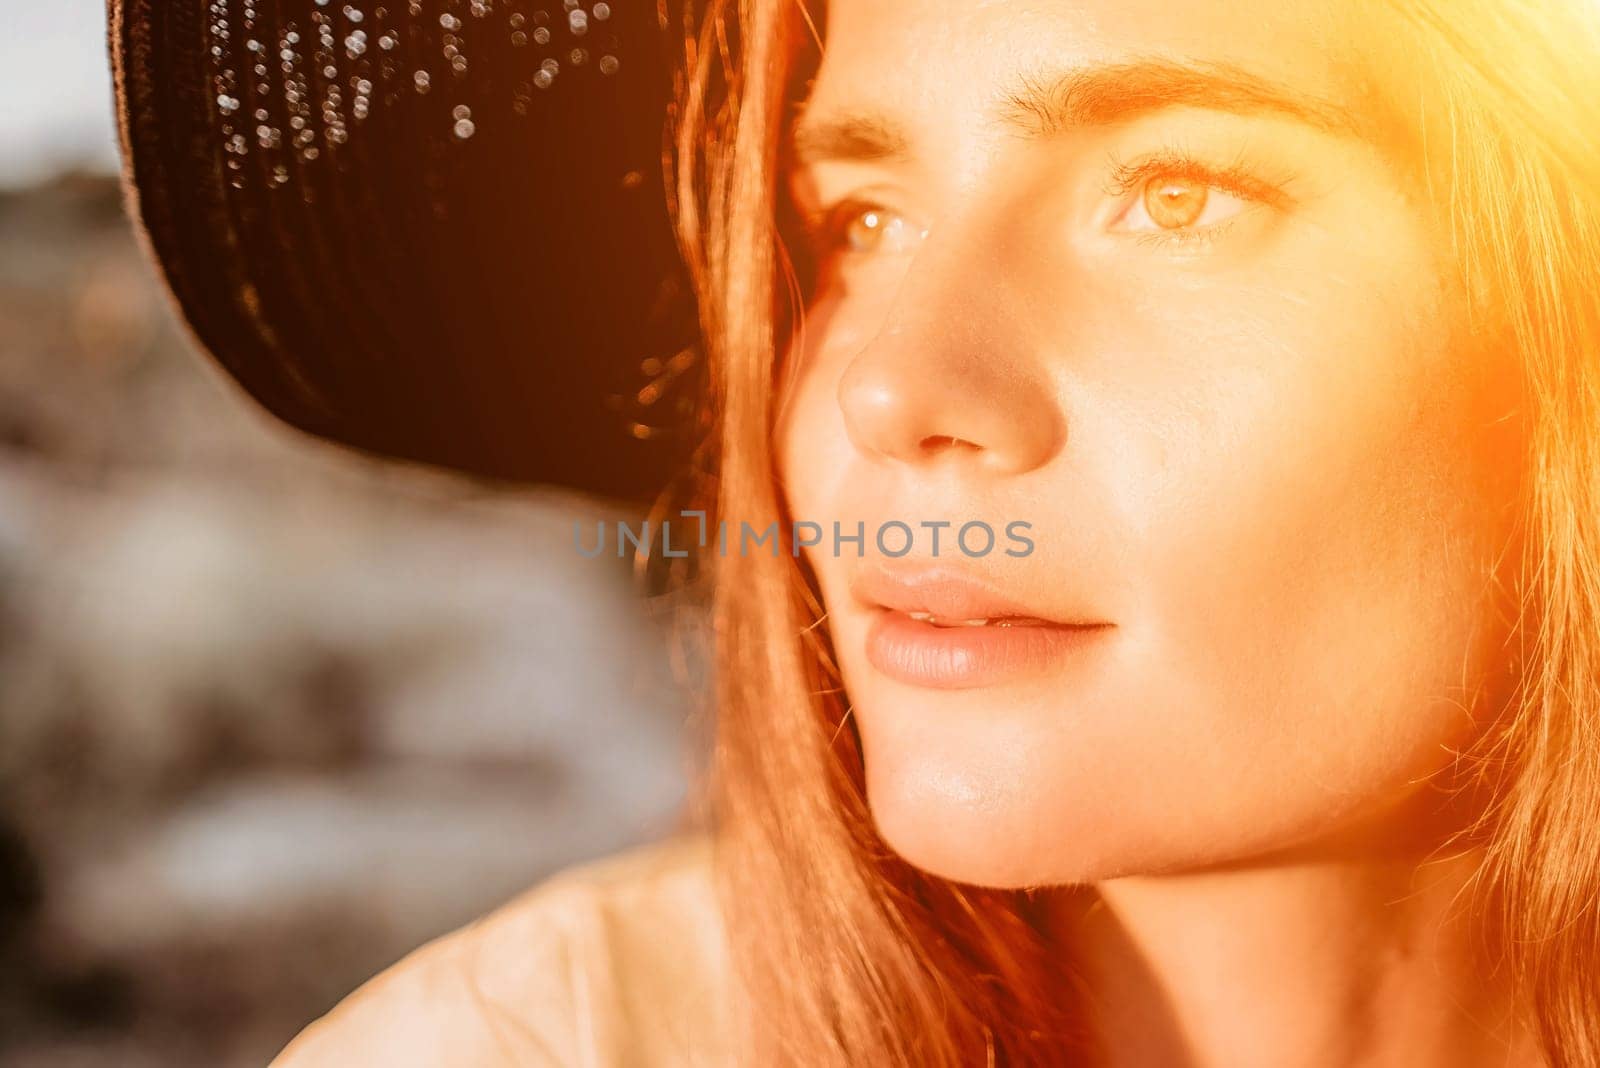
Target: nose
{"type": "Point", "coordinates": [954, 372]}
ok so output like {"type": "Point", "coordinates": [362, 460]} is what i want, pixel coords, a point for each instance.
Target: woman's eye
{"type": "Point", "coordinates": [1169, 203]}
{"type": "Point", "coordinates": [856, 228]}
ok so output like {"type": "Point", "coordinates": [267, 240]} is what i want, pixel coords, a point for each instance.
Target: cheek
{"type": "Point", "coordinates": [814, 453]}
{"type": "Point", "coordinates": [1305, 477]}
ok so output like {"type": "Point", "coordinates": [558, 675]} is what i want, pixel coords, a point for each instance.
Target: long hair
{"type": "Point", "coordinates": [847, 955]}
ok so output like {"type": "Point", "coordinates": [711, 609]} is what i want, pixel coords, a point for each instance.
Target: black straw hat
{"type": "Point", "coordinates": [431, 229]}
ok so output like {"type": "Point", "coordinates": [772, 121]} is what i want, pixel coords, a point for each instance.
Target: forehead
{"type": "Point", "coordinates": [937, 66]}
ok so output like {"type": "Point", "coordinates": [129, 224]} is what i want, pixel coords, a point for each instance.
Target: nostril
{"type": "Point", "coordinates": [934, 442]}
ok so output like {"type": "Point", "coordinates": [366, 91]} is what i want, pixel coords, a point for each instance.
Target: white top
{"type": "Point", "coordinates": [619, 962]}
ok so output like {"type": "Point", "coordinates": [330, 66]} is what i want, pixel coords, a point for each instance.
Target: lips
{"type": "Point", "coordinates": [949, 596]}
{"type": "Point", "coordinates": [943, 628]}
{"type": "Point", "coordinates": [1000, 621]}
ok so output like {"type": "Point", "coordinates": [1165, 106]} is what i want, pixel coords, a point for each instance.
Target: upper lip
{"type": "Point", "coordinates": [945, 592]}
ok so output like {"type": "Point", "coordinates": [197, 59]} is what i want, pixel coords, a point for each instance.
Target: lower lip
{"type": "Point", "coordinates": [959, 658]}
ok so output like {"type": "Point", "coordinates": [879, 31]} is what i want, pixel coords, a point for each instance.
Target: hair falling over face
{"type": "Point", "coordinates": [847, 953]}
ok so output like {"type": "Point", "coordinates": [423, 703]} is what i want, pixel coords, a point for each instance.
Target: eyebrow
{"type": "Point", "coordinates": [1042, 106]}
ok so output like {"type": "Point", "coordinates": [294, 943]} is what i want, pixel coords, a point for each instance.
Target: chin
{"type": "Point", "coordinates": [931, 846]}
{"type": "Point", "coordinates": [1040, 845]}
{"type": "Point", "coordinates": [987, 800]}
{"type": "Point", "coordinates": [993, 853]}
{"type": "Point", "coordinates": [1003, 831]}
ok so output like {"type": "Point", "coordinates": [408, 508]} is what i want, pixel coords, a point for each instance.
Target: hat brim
{"type": "Point", "coordinates": [400, 231]}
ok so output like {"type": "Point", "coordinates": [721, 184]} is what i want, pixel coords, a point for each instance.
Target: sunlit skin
{"type": "Point", "coordinates": [1213, 351]}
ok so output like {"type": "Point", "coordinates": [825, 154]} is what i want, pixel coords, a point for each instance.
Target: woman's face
{"type": "Point", "coordinates": [1160, 281]}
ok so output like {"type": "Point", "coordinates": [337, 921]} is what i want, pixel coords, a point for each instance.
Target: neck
{"type": "Point", "coordinates": [1324, 958]}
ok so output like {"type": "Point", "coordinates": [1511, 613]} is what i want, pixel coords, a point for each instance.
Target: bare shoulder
{"type": "Point", "coordinates": [618, 961]}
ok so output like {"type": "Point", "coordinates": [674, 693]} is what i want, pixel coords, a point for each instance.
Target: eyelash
{"type": "Point", "coordinates": [823, 228]}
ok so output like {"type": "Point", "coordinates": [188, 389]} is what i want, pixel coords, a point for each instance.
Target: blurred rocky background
{"type": "Point", "coordinates": [271, 715]}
